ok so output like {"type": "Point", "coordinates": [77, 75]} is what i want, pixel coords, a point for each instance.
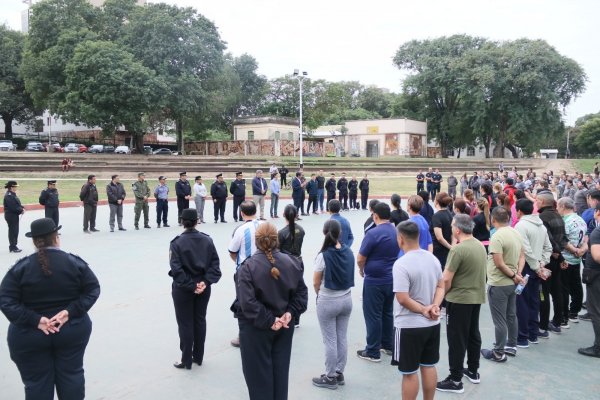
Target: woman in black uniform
{"type": "Point", "coordinates": [271, 292]}
{"type": "Point", "coordinates": [46, 297]}
{"type": "Point", "coordinates": [194, 267]}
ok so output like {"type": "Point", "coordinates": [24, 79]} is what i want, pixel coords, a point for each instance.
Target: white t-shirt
{"type": "Point", "coordinates": [417, 273]}
{"type": "Point", "coordinates": [200, 190]}
{"type": "Point", "coordinates": [243, 241]}
{"type": "Point", "coordinates": [323, 291]}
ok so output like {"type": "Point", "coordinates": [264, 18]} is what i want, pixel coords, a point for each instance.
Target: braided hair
{"type": "Point", "coordinates": [266, 241]}
{"type": "Point", "coordinates": [41, 242]}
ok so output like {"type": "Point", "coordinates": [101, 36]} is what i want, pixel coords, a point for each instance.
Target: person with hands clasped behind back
{"type": "Point", "coordinates": [270, 292]}
{"type": "Point", "coordinates": [195, 266]}
{"type": "Point", "coordinates": [419, 291]}
{"type": "Point", "coordinates": [46, 297]}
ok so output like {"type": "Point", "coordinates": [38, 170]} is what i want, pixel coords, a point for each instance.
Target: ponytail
{"type": "Point", "coordinates": [290, 213]}
{"type": "Point", "coordinates": [331, 230]}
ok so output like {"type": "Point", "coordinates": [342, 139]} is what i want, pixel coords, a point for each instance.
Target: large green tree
{"type": "Point", "coordinates": [588, 137]}
{"type": "Point", "coordinates": [16, 105]}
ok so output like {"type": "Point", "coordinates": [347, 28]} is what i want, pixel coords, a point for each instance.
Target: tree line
{"type": "Point", "coordinates": [165, 68]}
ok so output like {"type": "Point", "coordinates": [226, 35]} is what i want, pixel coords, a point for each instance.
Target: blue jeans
{"type": "Point", "coordinates": [378, 310]}
{"type": "Point", "coordinates": [321, 198]}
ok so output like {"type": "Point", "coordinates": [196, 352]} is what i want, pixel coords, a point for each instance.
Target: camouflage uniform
{"type": "Point", "coordinates": [141, 191]}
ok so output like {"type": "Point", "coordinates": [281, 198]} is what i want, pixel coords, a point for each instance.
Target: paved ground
{"type": "Point", "coordinates": [134, 341]}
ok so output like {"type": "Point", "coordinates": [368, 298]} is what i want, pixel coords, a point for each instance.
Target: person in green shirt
{"type": "Point", "coordinates": [464, 279]}
{"type": "Point", "coordinates": [506, 260]}
{"type": "Point", "coordinates": [141, 190]}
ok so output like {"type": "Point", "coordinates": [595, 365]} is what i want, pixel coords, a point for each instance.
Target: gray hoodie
{"type": "Point", "coordinates": [536, 242]}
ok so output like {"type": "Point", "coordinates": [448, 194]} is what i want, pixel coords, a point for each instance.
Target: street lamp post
{"type": "Point", "coordinates": [300, 78]}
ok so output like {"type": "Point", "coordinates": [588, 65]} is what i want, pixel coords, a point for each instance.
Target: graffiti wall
{"type": "Point", "coordinates": [259, 148]}
{"type": "Point", "coordinates": [391, 144]}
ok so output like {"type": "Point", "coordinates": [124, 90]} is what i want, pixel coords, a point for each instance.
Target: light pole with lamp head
{"type": "Point", "coordinates": [300, 78]}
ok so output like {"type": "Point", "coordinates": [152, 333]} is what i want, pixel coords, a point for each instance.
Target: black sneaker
{"type": "Point", "coordinates": [122, 229]}
{"type": "Point", "coordinates": [166, 225]}
{"type": "Point", "coordinates": [553, 328]}
{"type": "Point", "coordinates": [448, 385]}
{"type": "Point", "coordinates": [573, 318]}
{"type": "Point", "coordinates": [565, 324]}
{"type": "Point", "coordinates": [15, 250]}
{"type": "Point", "coordinates": [137, 228]}
{"type": "Point", "coordinates": [593, 351]}
{"type": "Point", "coordinates": [387, 352]}
{"type": "Point", "coordinates": [325, 382]}
{"type": "Point", "coordinates": [365, 356]}
{"type": "Point", "coordinates": [340, 379]}
{"type": "Point", "coordinates": [543, 334]}
{"type": "Point", "coordinates": [474, 377]}
{"type": "Point", "coordinates": [94, 230]}
{"type": "Point", "coordinates": [585, 317]}
{"type": "Point", "coordinates": [493, 355]}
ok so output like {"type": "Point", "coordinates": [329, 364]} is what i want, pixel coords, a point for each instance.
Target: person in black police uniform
{"type": "Point", "coordinates": [298, 192]}
{"type": "Point", "coordinates": [49, 199]}
{"type": "Point", "coordinates": [12, 211]}
{"type": "Point", "coordinates": [238, 189]}
{"type": "Point", "coordinates": [183, 190]}
{"type": "Point", "coordinates": [46, 297]}
{"type": "Point", "coordinates": [353, 190]}
{"type": "Point", "coordinates": [89, 197]}
{"type": "Point", "coordinates": [420, 181]}
{"type": "Point", "coordinates": [270, 293]}
{"type": "Point", "coordinates": [436, 180]}
{"type": "Point", "coordinates": [283, 171]}
{"type": "Point", "coordinates": [342, 187]}
{"type": "Point", "coordinates": [364, 192]}
{"type": "Point", "coordinates": [330, 188]}
{"type": "Point", "coordinates": [194, 268]}
{"type": "Point", "coordinates": [429, 182]}
{"type": "Point", "coordinates": [218, 191]}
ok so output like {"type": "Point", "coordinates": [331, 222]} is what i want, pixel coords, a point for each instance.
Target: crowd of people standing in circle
{"type": "Point", "coordinates": [517, 242]}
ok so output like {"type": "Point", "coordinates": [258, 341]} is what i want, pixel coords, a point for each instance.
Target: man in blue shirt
{"type": "Point", "coordinates": [346, 236]}
{"type": "Point", "coordinates": [377, 255]}
{"type": "Point", "coordinates": [413, 206]}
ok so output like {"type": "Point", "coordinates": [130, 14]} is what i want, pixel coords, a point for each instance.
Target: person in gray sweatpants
{"type": "Point", "coordinates": [333, 280]}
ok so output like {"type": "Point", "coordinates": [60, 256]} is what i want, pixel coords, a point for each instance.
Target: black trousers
{"type": "Point", "coordinates": [571, 286]}
{"type": "Point", "coordinates": [45, 361]}
{"type": "Point", "coordinates": [266, 360]}
{"type": "Point", "coordinates": [13, 229]}
{"type": "Point", "coordinates": [190, 312]}
{"type": "Point", "coordinates": [89, 216]}
{"type": "Point", "coordinates": [364, 198]}
{"type": "Point", "coordinates": [330, 196]}
{"type": "Point", "coordinates": [419, 187]}
{"type": "Point", "coordinates": [344, 200]}
{"type": "Point", "coordinates": [283, 181]}
{"type": "Point", "coordinates": [462, 331]}
{"type": "Point", "coordinates": [162, 210]}
{"type": "Point", "coordinates": [237, 213]}
{"type": "Point", "coordinates": [299, 204]}
{"type": "Point", "coordinates": [353, 203]}
{"type": "Point", "coordinates": [52, 213]}
{"type": "Point", "coordinates": [552, 287]}
{"type": "Point", "coordinates": [182, 204]}
{"type": "Point", "coordinates": [219, 208]}
{"type": "Point", "coordinates": [312, 200]}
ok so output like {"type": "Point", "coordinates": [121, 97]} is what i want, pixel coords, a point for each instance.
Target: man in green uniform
{"type": "Point", "coordinates": [141, 191]}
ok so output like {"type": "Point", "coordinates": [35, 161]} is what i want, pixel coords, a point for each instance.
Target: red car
{"type": "Point", "coordinates": [82, 148]}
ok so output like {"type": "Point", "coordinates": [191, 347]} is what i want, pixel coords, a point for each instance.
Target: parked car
{"type": "Point", "coordinates": [122, 150]}
{"type": "Point", "coordinates": [82, 148]}
{"type": "Point", "coordinates": [147, 150]}
{"type": "Point", "coordinates": [71, 148]}
{"type": "Point", "coordinates": [7, 145]}
{"type": "Point", "coordinates": [96, 148]}
{"type": "Point", "coordinates": [109, 148]}
{"type": "Point", "coordinates": [162, 151]}
{"type": "Point", "coordinates": [34, 146]}
{"type": "Point", "coordinates": [55, 147]}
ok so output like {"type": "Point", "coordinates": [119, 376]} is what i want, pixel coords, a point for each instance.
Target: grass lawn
{"type": "Point", "coordinates": [29, 190]}
{"type": "Point", "coordinates": [585, 165]}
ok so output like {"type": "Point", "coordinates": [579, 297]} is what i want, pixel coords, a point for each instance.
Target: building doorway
{"type": "Point", "coordinates": [372, 148]}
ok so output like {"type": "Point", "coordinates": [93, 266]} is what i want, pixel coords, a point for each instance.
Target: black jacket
{"type": "Point", "coordinates": [262, 298]}
{"type": "Point", "coordinates": [27, 294]}
{"type": "Point", "coordinates": [287, 243]}
{"type": "Point", "coordinates": [364, 185]}
{"type": "Point", "coordinates": [193, 259]}
{"type": "Point", "coordinates": [342, 185]}
{"type": "Point", "coordinates": [353, 186]}
{"type": "Point", "coordinates": [555, 225]}
{"type": "Point", "coordinates": [321, 182]}
{"type": "Point", "coordinates": [330, 186]}
{"type": "Point", "coordinates": [218, 190]}
{"type": "Point", "coordinates": [49, 198]}
{"type": "Point", "coordinates": [12, 204]}
{"type": "Point", "coordinates": [238, 188]}
{"type": "Point", "coordinates": [89, 194]}
{"type": "Point", "coordinates": [115, 192]}
{"type": "Point", "coordinates": [183, 189]}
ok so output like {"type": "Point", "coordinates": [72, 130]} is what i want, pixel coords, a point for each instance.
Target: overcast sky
{"type": "Point", "coordinates": [344, 40]}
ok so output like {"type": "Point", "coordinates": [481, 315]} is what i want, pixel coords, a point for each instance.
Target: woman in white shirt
{"type": "Point", "coordinates": [199, 198]}
{"type": "Point", "coordinates": [333, 280]}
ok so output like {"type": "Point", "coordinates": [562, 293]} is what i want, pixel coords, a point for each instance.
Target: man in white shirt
{"type": "Point", "coordinates": [200, 193]}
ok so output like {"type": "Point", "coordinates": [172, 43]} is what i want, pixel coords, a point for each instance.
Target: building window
{"type": "Point", "coordinates": [290, 135]}
{"type": "Point", "coordinates": [471, 151]}
{"type": "Point", "coordinates": [277, 135]}
{"type": "Point", "coordinates": [250, 135]}
{"type": "Point", "coordinates": [449, 152]}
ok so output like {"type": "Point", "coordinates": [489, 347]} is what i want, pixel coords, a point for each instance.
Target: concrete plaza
{"type": "Point", "coordinates": [134, 341]}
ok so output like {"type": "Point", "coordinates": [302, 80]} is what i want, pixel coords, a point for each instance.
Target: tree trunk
{"type": "Point", "coordinates": [501, 140]}
{"type": "Point", "coordinates": [487, 142]}
{"type": "Point", "coordinates": [458, 155]}
{"type": "Point", "coordinates": [513, 150]}
{"type": "Point", "coordinates": [179, 130]}
{"type": "Point", "coordinates": [8, 132]}
{"type": "Point", "coordinates": [139, 142]}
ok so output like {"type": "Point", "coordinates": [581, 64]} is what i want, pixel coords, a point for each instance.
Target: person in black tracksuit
{"type": "Point", "coordinates": [330, 188]}
{"type": "Point", "coordinates": [420, 181]}
{"type": "Point", "coordinates": [12, 211]}
{"type": "Point", "coordinates": [271, 292]}
{"type": "Point", "coordinates": [353, 190]}
{"type": "Point", "coordinates": [89, 197]}
{"type": "Point", "coordinates": [364, 192]}
{"type": "Point", "coordinates": [49, 199]}
{"type": "Point", "coordinates": [218, 192]}
{"type": "Point", "coordinates": [283, 171]}
{"type": "Point", "coordinates": [342, 187]}
{"type": "Point", "coordinates": [298, 193]}
{"type": "Point", "coordinates": [238, 189]}
{"type": "Point", "coordinates": [312, 188]}
{"type": "Point", "coordinates": [46, 297]}
{"type": "Point", "coordinates": [195, 267]}
{"type": "Point", "coordinates": [183, 190]}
